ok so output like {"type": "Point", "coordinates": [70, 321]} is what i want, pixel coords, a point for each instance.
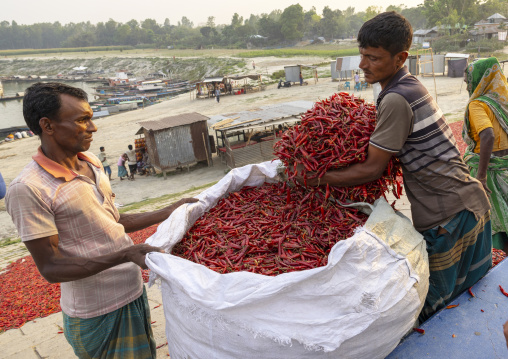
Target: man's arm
{"type": "Point", "coordinates": [486, 146]}
{"type": "Point", "coordinates": [138, 221]}
{"type": "Point", "coordinates": [56, 268]}
{"type": "Point", "coordinates": [369, 170]}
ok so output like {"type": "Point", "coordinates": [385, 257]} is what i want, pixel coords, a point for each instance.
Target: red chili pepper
{"type": "Point", "coordinates": [452, 306]}
{"type": "Point", "coordinates": [471, 292]}
{"type": "Point", "coordinates": [421, 331]}
{"type": "Point", "coordinates": [502, 291]}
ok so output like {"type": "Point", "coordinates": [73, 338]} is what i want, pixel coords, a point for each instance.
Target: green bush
{"type": "Point", "coordinates": [485, 46]}
{"type": "Point", "coordinates": [281, 74]}
{"type": "Point", "coordinates": [449, 43]}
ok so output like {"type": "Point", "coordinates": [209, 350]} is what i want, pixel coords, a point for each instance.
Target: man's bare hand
{"type": "Point", "coordinates": [312, 182]}
{"type": "Point", "coordinates": [483, 181]}
{"type": "Point", "coordinates": [137, 253]}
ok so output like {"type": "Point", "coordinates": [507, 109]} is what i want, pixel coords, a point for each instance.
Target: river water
{"type": "Point", "coordinates": [11, 112]}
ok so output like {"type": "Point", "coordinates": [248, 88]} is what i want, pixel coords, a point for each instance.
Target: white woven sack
{"type": "Point", "coordinates": [358, 306]}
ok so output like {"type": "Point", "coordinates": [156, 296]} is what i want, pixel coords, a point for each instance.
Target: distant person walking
{"type": "Point", "coordinates": [301, 79]}
{"type": "Point", "coordinates": [105, 163]}
{"type": "Point", "coordinates": [253, 65]}
{"type": "Point", "coordinates": [133, 164]}
{"type": "Point", "coordinates": [122, 171]}
{"type": "Point", "coordinates": [217, 94]}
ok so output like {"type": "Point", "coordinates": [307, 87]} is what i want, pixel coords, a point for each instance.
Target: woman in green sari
{"type": "Point", "coordinates": [486, 134]}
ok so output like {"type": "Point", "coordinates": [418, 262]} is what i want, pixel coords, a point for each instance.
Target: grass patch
{"type": "Point", "coordinates": [292, 52]}
{"type": "Point", "coordinates": [165, 198]}
{"type": "Point", "coordinates": [8, 241]}
{"type": "Point", "coordinates": [62, 50]}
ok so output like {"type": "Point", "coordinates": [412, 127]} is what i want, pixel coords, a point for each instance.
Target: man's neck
{"type": "Point", "coordinates": [65, 159]}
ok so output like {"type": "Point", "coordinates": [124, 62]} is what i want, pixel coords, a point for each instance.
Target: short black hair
{"type": "Point", "coordinates": [388, 30]}
{"type": "Point", "coordinates": [101, 148]}
{"type": "Point", "coordinates": [130, 147]}
{"type": "Point", "coordinates": [43, 100]}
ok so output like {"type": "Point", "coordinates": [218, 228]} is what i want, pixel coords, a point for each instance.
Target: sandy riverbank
{"type": "Point", "coordinates": [116, 132]}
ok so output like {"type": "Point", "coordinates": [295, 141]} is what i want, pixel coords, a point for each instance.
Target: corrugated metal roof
{"type": "Point", "coordinates": [173, 121]}
{"type": "Point", "coordinates": [265, 114]}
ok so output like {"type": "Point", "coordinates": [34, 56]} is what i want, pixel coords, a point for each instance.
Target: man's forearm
{"type": "Point", "coordinates": [65, 269]}
{"type": "Point", "coordinates": [137, 221]}
{"type": "Point", "coordinates": [354, 175]}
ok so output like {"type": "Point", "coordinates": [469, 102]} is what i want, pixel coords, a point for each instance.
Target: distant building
{"type": "Point", "coordinates": [424, 35]}
{"type": "Point", "coordinates": [495, 26]}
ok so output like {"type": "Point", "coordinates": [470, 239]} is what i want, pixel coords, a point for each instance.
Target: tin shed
{"type": "Point", "coordinates": [177, 141]}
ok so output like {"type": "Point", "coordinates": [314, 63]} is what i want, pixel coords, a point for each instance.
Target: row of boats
{"type": "Point", "coordinates": [121, 94]}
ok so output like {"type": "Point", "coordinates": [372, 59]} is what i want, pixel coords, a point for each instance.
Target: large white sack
{"type": "Point", "coordinates": [358, 306]}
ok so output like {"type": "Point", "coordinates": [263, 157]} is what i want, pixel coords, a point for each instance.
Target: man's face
{"type": "Point", "coordinates": [73, 130]}
{"type": "Point", "coordinates": [379, 65]}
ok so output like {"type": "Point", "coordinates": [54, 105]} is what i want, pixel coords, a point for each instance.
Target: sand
{"type": "Point", "coordinates": [115, 133]}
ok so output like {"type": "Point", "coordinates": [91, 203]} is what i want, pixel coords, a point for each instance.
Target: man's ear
{"type": "Point", "coordinates": [402, 57]}
{"type": "Point", "coordinates": [46, 125]}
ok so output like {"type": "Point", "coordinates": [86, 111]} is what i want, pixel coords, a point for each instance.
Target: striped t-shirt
{"type": "Point", "coordinates": [436, 179]}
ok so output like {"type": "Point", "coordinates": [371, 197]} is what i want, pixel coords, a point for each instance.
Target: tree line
{"type": "Point", "coordinates": [277, 28]}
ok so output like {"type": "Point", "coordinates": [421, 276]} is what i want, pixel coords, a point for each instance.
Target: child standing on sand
{"type": "Point", "coordinates": [122, 171]}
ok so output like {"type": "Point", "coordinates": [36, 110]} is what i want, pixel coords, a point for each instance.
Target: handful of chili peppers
{"type": "Point", "coordinates": [335, 134]}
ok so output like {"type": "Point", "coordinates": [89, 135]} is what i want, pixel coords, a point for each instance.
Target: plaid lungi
{"type": "Point", "coordinates": [457, 259]}
{"type": "Point", "coordinates": [124, 333]}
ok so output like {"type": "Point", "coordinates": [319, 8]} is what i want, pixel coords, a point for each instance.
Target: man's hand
{"type": "Point", "coordinates": [136, 221]}
{"type": "Point", "coordinates": [137, 253]}
{"type": "Point", "coordinates": [483, 181]}
{"type": "Point", "coordinates": [312, 182]}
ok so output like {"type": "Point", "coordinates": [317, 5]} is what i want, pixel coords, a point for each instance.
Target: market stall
{"type": "Point", "coordinates": [248, 136]}
{"type": "Point", "coordinates": [246, 83]}
{"type": "Point", "coordinates": [206, 88]}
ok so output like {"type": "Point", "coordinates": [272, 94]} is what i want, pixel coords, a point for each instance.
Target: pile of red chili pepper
{"type": "Point", "coordinates": [25, 295]}
{"type": "Point", "coordinates": [276, 229]}
{"type": "Point", "coordinates": [335, 134]}
{"type": "Point", "coordinates": [270, 230]}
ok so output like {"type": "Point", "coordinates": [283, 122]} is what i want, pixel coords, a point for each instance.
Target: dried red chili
{"type": "Point", "coordinates": [421, 331]}
{"type": "Point", "coordinates": [258, 230]}
{"type": "Point", "coordinates": [471, 292]}
{"type": "Point", "coordinates": [503, 291]}
{"type": "Point", "coordinates": [335, 134]}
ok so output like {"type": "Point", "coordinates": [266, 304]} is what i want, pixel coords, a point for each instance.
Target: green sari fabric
{"type": "Point", "coordinates": [487, 83]}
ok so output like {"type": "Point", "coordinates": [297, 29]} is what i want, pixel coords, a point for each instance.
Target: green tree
{"type": "Point", "coordinates": [332, 24]}
{"type": "Point", "coordinates": [291, 22]}
{"type": "Point", "coordinates": [372, 11]}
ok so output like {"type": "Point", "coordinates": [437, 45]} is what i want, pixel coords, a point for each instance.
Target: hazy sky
{"type": "Point", "coordinates": [65, 11]}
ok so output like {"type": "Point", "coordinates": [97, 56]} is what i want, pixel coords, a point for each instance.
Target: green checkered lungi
{"type": "Point", "coordinates": [124, 333]}
{"type": "Point", "coordinates": [457, 259]}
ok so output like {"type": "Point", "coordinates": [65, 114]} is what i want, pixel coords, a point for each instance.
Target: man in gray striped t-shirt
{"type": "Point", "coordinates": [449, 207]}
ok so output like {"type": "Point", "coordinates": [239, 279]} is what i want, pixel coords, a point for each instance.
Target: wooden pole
{"type": "Point", "coordinates": [206, 150]}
